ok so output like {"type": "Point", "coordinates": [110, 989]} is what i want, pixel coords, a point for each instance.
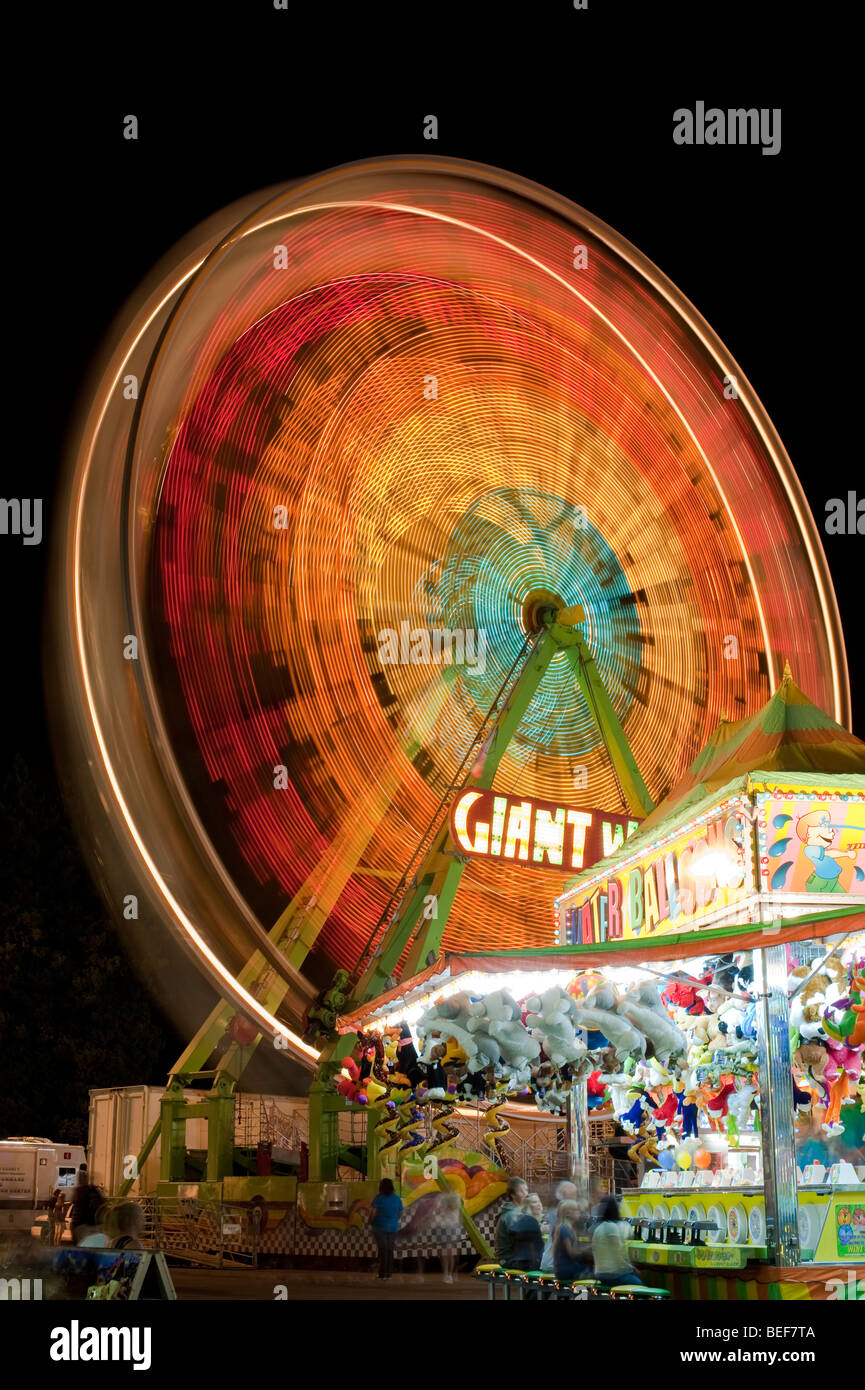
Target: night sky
{"type": "Point", "coordinates": [237, 98]}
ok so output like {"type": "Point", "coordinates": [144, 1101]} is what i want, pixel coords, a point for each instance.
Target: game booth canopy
{"type": "Point", "coordinates": [707, 992]}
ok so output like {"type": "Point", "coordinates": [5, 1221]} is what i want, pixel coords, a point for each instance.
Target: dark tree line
{"type": "Point", "coordinates": [73, 1013]}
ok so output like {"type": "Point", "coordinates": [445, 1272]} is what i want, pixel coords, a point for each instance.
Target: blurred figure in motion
{"type": "Point", "coordinates": [610, 1247]}
{"type": "Point", "coordinates": [598, 1194]}
{"type": "Point", "coordinates": [572, 1254]}
{"type": "Point", "coordinates": [519, 1243]}
{"type": "Point", "coordinates": [56, 1216]}
{"type": "Point", "coordinates": [451, 1231]}
{"type": "Point", "coordinates": [535, 1207]}
{"type": "Point", "coordinates": [565, 1192]}
{"type": "Point", "coordinates": [97, 1235]}
{"type": "Point", "coordinates": [87, 1202]}
{"type": "Point", "coordinates": [125, 1227]}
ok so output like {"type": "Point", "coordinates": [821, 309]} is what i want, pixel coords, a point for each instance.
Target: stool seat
{"type": "Point", "coordinates": [638, 1291]}
{"type": "Point", "coordinates": [580, 1288]}
{"type": "Point", "coordinates": [494, 1276]}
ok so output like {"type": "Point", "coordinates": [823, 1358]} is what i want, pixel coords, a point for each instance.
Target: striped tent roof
{"type": "Point", "coordinates": [789, 734]}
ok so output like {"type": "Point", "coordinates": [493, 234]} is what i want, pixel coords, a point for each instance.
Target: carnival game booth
{"type": "Point", "coordinates": [746, 887]}
{"type": "Point", "coordinates": [708, 994]}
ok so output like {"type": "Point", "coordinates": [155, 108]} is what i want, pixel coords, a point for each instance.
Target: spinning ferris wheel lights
{"type": "Point", "coordinates": [415, 412]}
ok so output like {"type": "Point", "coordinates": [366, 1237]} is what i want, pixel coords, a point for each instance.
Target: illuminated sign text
{"type": "Point", "coordinates": [538, 834]}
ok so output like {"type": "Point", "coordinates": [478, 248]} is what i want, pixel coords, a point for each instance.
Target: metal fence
{"type": "Point", "coordinates": [202, 1232]}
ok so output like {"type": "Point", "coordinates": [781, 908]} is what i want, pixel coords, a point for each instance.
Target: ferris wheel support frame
{"type": "Point", "coordinates": [436, 882]}
{"type": "Point", "coordinates": [439, 875]}
{"type": "Point", "coordinates": [438, 878]}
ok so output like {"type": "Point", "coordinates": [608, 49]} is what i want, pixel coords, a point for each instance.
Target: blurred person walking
{"type": "Point", "coordinates": [451, 1232]}
{"type": "Point", "coordinates": [87, 1205]}
{"type": "Point", "coordinates": [125, 1227]}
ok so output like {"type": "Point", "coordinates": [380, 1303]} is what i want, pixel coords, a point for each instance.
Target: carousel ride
{"type": "Point", "coordinates": [409, 478]}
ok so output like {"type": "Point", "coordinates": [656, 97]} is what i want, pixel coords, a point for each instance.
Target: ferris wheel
{"type": "Point", "coordinates": [400, 399]}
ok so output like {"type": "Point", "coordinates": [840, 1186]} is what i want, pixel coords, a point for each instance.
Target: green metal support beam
{"type": "Point", "coordinates": [600, 706]}
{"type": "Point", "coordinates": [440, 874]}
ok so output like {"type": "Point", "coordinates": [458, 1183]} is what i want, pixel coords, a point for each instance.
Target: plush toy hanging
{"type": "Point", "coordinates": [844, 1019]}
{"type": "Point", "coordinates": [664, 1114]}
{"type": "Point", "coordinates": [599, 1012]}
{"type": "Point", "coordinates": [499, 1016]}
{"type": "Point", "coordinates": [716, 1104]}
{"type": "Point", "coordinates": [685, 993]}
{"type": "Point", "coordinates": [641, 1006]}
{"type": "Point", "coordinates": [689, 1115]}
{"type": "Point", "coordinates": [739, 1109]}
{"type": "Point", "coordinates": [597, 1093]}
{"type": "Point", "coordinates": [551, 1020]}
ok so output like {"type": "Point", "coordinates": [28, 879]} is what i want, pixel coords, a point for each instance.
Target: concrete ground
{"type": "Point", "coordinates": [320, 1285]}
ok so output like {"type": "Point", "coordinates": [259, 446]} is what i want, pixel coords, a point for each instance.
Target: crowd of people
{"type": "Point", "coordinates": [575, 1240]}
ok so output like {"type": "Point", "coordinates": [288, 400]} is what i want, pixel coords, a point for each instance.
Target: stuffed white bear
{"type": "Point", "coordinates": [598, 1012]}
{"type": "Point", "coordinates": [451, 1018]}
{"type": "Point", "coordinates": [642, 1007]}
{"type": "Point", "coordinates": [551, 1019]}
{"type": "Point", "coordinates": [506, 1026]}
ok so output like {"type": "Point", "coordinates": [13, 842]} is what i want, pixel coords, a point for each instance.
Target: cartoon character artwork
{"type": "Point", "coordinates": [818, 834]}
{"type": "Point", "coordinates": [814, 848]}
{"type": "Point", "coordinates": [850, 1230]}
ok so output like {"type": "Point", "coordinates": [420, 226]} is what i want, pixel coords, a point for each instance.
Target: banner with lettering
{"type": "Point", "coordinates": [671, 890]}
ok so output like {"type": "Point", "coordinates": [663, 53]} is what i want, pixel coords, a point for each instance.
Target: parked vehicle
{"type": "Point", "coordinates": [30, 1170]}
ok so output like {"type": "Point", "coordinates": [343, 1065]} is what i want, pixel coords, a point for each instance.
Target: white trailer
{"type": "Point", "coordinates": [122, 1117]}
{"type": "Point", "coordinates": [30, 1169]}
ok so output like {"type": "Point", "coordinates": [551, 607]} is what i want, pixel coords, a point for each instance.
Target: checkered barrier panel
{"type": "Point", "coordinates": [208, 1230]}
{"type": "Point", "coordinates": [359, 1243]}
